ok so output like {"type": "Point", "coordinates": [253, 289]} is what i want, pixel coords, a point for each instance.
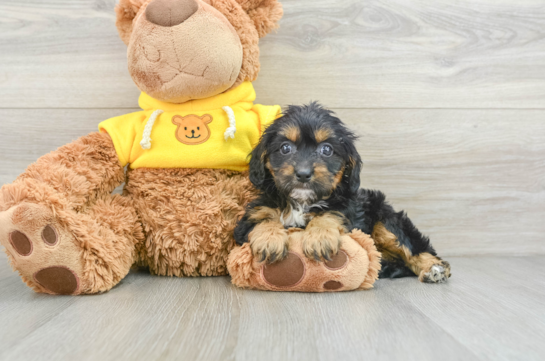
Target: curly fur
{"type": "Point", "coordinates": [188, 216]}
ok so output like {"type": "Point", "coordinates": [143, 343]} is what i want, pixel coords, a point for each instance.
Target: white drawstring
{"type": "Point", "coordinates": [230, 132]}
{"type": "Point", "coordinates": [146, 137]}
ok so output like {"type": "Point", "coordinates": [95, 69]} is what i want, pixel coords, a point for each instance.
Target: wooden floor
{"type": "Point", "coordinates": [449, 100]}
{"type": "Point", "coordinates": [493, 308]}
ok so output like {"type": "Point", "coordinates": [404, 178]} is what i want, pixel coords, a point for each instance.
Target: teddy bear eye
{"type": "Point", "coordinates": [198, 128]}
{"type": "Point", "coordinates": [185, 128]}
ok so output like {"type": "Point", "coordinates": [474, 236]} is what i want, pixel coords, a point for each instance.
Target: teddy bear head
{"type": "Point", "coordinates": [179, 50]}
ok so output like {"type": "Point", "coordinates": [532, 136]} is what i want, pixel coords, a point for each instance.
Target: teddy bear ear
{"type": "Point", "coordinates": [264, 13]}
{"type": "Point", "coordinates": [206, 119]}
{"type": "Point", "coordinates": [126, 11]}
{"type": "Point", "coordinates": [177, 120]}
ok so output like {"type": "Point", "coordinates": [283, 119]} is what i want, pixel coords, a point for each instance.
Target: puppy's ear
{"type": "Point", "coordinates": [264, 13]}
{"type": "Point", "coordinates": [258, 171]}
{"type": "Point", "coordinates": [126, 11]}
{"type": "Point", "coordinates": [353, 167]}
{"type": "Point", "coordinates": [354, 175]}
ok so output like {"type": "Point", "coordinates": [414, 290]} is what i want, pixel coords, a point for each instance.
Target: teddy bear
{"type": "Point", "coordinates": [183, 158]}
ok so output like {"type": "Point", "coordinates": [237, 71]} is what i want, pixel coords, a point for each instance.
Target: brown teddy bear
{"type": "Point", "coordinates": [186, 153]}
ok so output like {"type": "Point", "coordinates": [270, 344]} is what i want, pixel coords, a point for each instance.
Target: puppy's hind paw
{"type": "Point", "coordinates": [437, 273]}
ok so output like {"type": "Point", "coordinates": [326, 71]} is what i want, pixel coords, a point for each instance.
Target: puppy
{"type": "Point", "coordinates": [307, 170]}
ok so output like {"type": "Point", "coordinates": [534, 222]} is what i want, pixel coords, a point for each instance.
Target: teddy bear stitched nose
{"type": "Point", "coordinates": [170, 12]}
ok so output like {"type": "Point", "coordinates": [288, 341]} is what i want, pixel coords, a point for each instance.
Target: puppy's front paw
{"type": "Point", "coordinates": [437, 273]}
{"type": "Point", "coordinates": [321, 244]}
{"type": "Point", "coordinates": [269, 243]}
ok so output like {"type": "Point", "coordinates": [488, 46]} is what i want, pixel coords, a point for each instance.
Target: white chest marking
{"type": "Point", "coordinates": [295, 218]}
{"type": "Point", "coordinates": [298, 215]}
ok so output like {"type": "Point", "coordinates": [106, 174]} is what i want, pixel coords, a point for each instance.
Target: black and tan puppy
{"type": "Point", "coordinates": [308, 172]}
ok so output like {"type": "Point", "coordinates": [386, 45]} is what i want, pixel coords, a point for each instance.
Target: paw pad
{"type": "Point", "coordinates": [332, 285]}
{"type": "Point", "coordinates": [58, 280]}
{"type": "Point", "coordinates": [20, 243]}
{"type": "Point", "coordinates": [338, 261]}
{"type": "Point", "coordinates": [286, 273]}
{"type": "Point", "coordinates": [49, 235]}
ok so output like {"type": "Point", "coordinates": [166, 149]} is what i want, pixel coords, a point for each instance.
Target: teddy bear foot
{"type": "Point", "coordinates": [293, 270]}
{"type": "Point", "coordinates": [355, 266]}
{"type": "Point", "coordinates": [46, 256]}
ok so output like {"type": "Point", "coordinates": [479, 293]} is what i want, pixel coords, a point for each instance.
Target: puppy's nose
{"type": "Point", "coordinates": [193, 131]}
{"type": "Point", "coordinates": [170, 12]}
{"type": "Point", "coordinates": [303, 174]}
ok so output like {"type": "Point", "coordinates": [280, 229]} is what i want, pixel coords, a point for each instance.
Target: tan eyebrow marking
{"type": "Point", "coordinates": [322, 134]}
{"type": "Point", "coordinates": [291, 132]}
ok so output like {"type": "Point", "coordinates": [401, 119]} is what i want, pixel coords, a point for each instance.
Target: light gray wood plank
{"type": "Point", "coordinates": [342, 326]}
{"type": "Point", "coordinates": [407, 54]}
{"type": "Point", "coordinates": [21, 310]}
{"type": "Point", "coordinates": [473, 180]}
{"type": "Point", "coordinates": [348, 53]}
{"type": "Point", "coordinates": [152, 318]}
{"type": "Point", "coordinates": [143, 318]}
{"type": "Point", "coordinates": [62, 54]}
{"type": "Point", "coordinates": [492, 305]}
{"type": "Point", "coordinates": [482, 313]}
{"type": "Point", "coordinates": [5, 271]}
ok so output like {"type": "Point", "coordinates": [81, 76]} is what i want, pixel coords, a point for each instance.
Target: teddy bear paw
{"type": "Point", "coordinates": [294, 269]}
{"type": "Point", "coordinates": [46, 256]}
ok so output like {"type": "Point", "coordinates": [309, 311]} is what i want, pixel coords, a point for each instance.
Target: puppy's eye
{"type": "Point", "coordinates": [285, 149]}
{"type": "Point", "coordinates": [326, 150]}
{"type": "Point", "coordinates": [185, 128]}
{"type": "Point", "coordinates": [198, 128]}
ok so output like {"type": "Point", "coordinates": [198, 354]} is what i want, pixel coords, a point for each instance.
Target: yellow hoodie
{"type": "Point", "coordinates": [217, 132]}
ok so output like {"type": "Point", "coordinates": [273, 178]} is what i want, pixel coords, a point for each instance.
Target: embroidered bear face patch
{"type": "Point", "coordinates": [192, 129]}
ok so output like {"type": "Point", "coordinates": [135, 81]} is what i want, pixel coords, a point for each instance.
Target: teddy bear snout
{"type": "Point", "coordinates": [170, 12]}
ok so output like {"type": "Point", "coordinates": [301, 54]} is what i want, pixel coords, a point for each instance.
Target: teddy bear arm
{"type": "Point", "coordinates": [74, 175]}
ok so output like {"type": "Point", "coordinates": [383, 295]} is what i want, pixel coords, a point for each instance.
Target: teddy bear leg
{"type": "Point", "coordinates": [59, 224]}
{"type": "Point", "coordinates": [71, 253]}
